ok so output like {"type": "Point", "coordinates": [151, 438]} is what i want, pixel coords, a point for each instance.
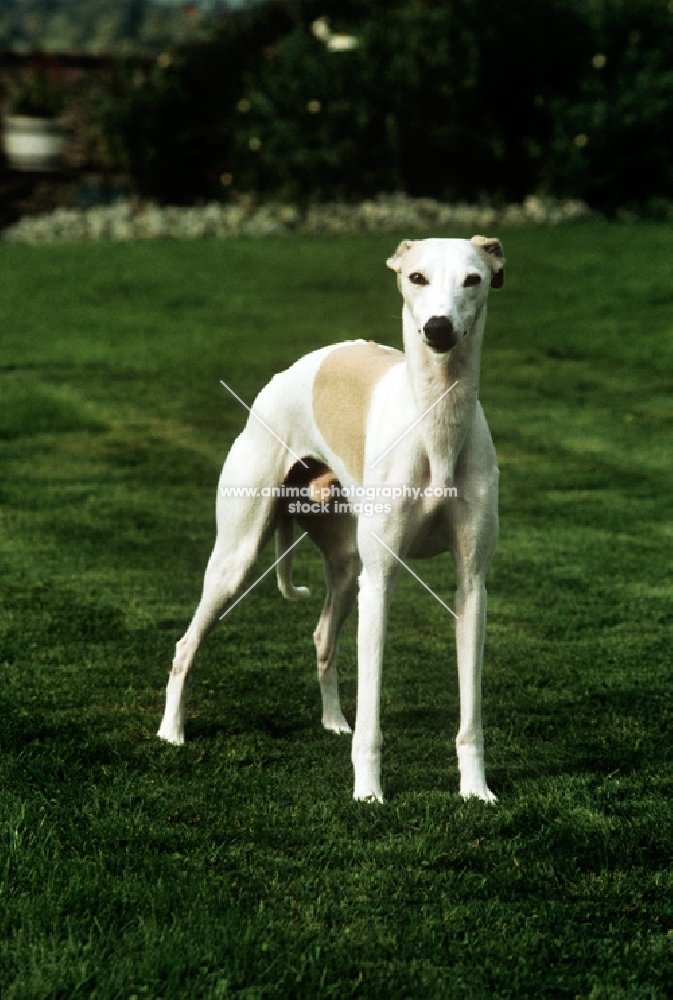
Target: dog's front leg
{"type": "Point", "coordinates": [470, 630]}
{"type": "Point", "coordinates": [377, 581]}
{"type": "Point", "coordinates": [366, 749]}
{"type": "Point", "coordinates": [475, 534]}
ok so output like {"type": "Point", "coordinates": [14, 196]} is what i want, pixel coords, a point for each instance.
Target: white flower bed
{"type": "Point", "coordinates": [398, 213]}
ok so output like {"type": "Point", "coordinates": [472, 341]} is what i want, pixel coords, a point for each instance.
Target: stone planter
{"type": "Point", "coordinates": [33, 143]}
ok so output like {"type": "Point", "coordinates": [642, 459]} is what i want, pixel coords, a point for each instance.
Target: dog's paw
{"type": "Point", "coordinates": [367, 770]}
{"type": "Point", "coordinates": [369, 797]}
{"type": "Point", "coordinates": [472, 777]}
{"type": "Point", "coordinates": [484, 793]}
{"type": "Point", "coordinates": [171, 736]}
{"type": "Point", "coordinates": [338, 725]}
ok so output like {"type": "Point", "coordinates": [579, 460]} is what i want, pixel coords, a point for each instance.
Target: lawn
{"type": "Point", "coordinates": [238, 865]}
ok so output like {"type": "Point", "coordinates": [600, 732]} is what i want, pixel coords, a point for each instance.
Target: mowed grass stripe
{"type": "Point", "coordinates": [238, 866]}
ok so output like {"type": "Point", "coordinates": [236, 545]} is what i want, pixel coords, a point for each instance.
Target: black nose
{"type": "Point", "coordinates": [440, 333]}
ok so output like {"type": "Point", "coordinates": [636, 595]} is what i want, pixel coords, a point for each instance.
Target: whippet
{"type": "Point", "coordinates": [404, 426]}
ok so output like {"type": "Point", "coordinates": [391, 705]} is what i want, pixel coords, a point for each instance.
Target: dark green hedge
{"type": "Point", "coordinates": [472, 99]}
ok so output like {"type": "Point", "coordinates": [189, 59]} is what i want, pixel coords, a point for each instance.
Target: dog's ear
{"type": "Point", "coordinates": [395, 262]}
{"type": "Point", "coordinates": [494, 256]}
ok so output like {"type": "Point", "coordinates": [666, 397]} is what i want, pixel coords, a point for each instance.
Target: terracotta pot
{"type": "Point", "coordinates": [33, 143]}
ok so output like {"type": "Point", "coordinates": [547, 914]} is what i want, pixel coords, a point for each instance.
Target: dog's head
{"type": "Point", "coordinates": [444, 284]}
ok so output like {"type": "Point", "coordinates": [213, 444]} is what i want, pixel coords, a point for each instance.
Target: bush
{"type": "Point", "coordinates": [172, 128]}
{"type": "Point", "coordinates": [468, 99]}
{"type": "Point", "coordinates": [431, 102]}
{"type": "Point", "coordinates": [612, 145]}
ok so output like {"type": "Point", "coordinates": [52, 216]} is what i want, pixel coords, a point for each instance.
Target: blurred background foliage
{"type": "Point", "coordinates": [476, 100]}
{"type": "Point", "coordinates": [103, 25]}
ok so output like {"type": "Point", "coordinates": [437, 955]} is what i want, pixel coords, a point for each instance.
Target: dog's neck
{"type": "Point", "coordinates": [445, 427]}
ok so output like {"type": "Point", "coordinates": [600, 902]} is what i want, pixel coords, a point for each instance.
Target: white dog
{"type": "Point", "coordinates": [361, 415]}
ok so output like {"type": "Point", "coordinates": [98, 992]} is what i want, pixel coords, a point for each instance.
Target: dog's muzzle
{"type": "Point", "coordinates": [440, 334]}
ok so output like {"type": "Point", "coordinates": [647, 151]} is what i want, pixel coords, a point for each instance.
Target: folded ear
{"type": "Point", "coordinates": [491, 250]}
{"type": "Point", "coordinates": [395, 262]}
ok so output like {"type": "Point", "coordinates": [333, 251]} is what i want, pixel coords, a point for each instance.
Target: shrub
{"type": "Point", "coordinates": [612, 145]}
{"type": "Point", "coordinates": [430, 102]}
{"type": "Point", "coordinates": [472, 99]}
{"type": "Point", "coordinates": [172, 128]}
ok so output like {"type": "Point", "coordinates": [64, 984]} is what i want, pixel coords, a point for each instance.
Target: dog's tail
{"type": "Point", "coordinates": [284, 539]}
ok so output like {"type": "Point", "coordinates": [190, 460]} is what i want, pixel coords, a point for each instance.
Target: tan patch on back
{"type": "Point", "coordinates": [342, 393]}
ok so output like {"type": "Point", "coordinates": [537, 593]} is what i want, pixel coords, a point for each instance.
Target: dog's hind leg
{"type": "Point", "coordinates": [335, 535]}
{"type": "Point", "coordinates": [341, 577]}
{"type": "Point", "coordinates": [228, 567]}
{"type": "Point", "coordinates": [244, 526]}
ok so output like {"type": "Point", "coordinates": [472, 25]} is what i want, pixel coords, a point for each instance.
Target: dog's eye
{"type": "Point", "coordinates": [472, 279]}
{"type": "Point", "coordinates": [418, 279]}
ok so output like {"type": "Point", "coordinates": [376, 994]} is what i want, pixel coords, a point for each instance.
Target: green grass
{"type": "Point", "coordinates": [238, 865]}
